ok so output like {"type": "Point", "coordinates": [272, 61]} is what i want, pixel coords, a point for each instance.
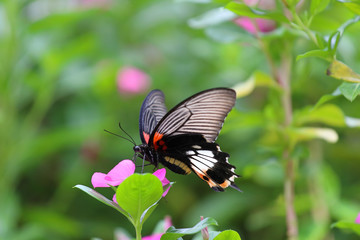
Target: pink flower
{"type": "Point", "coordinates": [204, 231]}
{"type": "Point", "coordinates": [131, 80]}
{"type": "Point", "coordinates": [157, 236]}
{"type": "Point", "coordinates": [116, 175]}
{"type": "Point", "coordinates": [357, 220]}
{"type": "Point", "coordinates": [160, 174]}
{"type": "Point", "coordinates": [120, 172]}
{"type": "Point", "coordinates": [254, 25]}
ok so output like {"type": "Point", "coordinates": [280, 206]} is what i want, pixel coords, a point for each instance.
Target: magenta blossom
{"type": "Point", "coordinates": [204, 231]}
{"type": "Point", "coordinates": [157, 236]}
{"type": "Point", "coordinates": [357, 220]}
{"type": "Point", "coordinates": [255, 25]}
{"type": "Point", "coordinates": [131, 80]}
{"type": "Point", "coordinates": [116, 175]}
{"type": "Point", "coordinates": [120, 172]}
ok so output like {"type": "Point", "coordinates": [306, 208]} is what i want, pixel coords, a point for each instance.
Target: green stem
{"type": "Point", "coordinates": [289, 194]}
{"type": "Point", "coordinates": [283, 77]}
{"type": "Point", "coordinates": [303, 27]}
{"type": "Point", "coordinates": [138, 228]}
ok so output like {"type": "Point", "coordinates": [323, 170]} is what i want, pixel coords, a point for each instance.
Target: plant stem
{"type": "Point", "coordinates": [138, 231]}
{"type": "Point", "coordinates": [283, 77]}
{"type": "Point", "coordinates": [289, 193]}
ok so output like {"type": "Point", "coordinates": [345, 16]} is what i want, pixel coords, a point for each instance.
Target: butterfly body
{"type": "Point", "coordinates": [183, 139]}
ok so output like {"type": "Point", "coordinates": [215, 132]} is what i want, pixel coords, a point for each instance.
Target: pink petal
{"type": "Point", "coordinates": [98, 180]}
{"type": "Point", "coordinates": [166, 191]}
{"type": "Point", "coordinates": [263, 25]}
{"type": "Point", "coordinates": [114, 199]}
{"type": "Point", "coordinates": [160, 173]}
{"type": "Point", "coordinates": [156, 236]}
{"type": "Point", "coordinates": [132, 80]}
{"type": "Point", "coordinates": [122, 170]}
{"type": "Point", "coordinates": [167, 223]}
{"type": "Point", "coordinates": [204, 231]}
{"type": "Point", "coordinates": [116, 175]}
{"type": "Point", "coordinates": [358, 219]}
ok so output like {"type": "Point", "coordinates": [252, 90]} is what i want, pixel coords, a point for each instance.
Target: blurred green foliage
{"type": "Point", "coordinates": [58, 67]}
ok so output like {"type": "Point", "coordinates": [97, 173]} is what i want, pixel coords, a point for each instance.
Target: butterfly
{"type": "Point", "coordinates": [183, 139]}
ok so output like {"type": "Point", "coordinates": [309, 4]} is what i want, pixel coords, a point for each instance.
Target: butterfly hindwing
{"type": "Point", "coordinates": [152, 111]}
{"type": "Point", "coordinates": [191, 152]}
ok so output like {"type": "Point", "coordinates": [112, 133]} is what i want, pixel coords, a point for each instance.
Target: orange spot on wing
{"type": "Point", "coordinates": [146, 137]}
{"type": "Point", "coordinates": [225, 184]}
{"type": "Point", "coordinates": [156, 139]}
{"type": "Point", "coordinates": [205, 178]}
{"type": "Point", "coordinates": [157, 136]}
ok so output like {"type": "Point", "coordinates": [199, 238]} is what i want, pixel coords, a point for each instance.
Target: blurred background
{"type": "Point", "coordinates": [72, 68]}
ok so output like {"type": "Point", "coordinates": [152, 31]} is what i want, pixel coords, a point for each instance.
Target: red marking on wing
{"type": "Point", "coordinates": [146, 137]}
{"type": "Point", "coordinates": [157, 137]}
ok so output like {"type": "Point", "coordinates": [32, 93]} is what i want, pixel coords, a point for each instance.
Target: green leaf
{"type": "Point", "coordinates": [350, 226]}
{"type": "Point", "coordinates": [320, 40]}
{"type": "Point", "coordinates": [172, 233]}
{"type": "Point", "coordinates": [325, 98]}
{"type": "Point", "coordinates": [333, 42]}
{"type": "Point", "coordinates": [213, 234]}
{"type": "Point", "coordinates": [343, 72]}
{"type": "Point", "coordinates": [320, 53]}
{"type": "Point", "coordinates": [138, 193]}
{"type": "Point", "coordinates": [101, 198]}
{"type": "Point", "coordinates": [244, 10]}
{"type": "Point", "coordinates": [353, 6]}
{"type": "Point", "coordinates": [228, 235]}
{"type": "Point", "coordinates": [329, 114]}
{"type": "Point", "coordinates": [318, 6]}
{"type": "Point", "coordinates": [350, 90]}
{"type": "Point", "coordinates": [147, 213]}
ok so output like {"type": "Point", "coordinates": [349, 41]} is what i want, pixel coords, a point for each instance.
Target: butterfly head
{"type": "Point", "coordinates": [139, 149]}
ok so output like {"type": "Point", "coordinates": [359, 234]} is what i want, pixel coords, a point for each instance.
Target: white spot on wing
{"type": "Point", "coordinates": [206, 153]}
{"type": "Point", "coordinates": [190, 153]}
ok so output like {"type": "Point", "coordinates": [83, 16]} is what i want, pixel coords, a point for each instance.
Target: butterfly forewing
{"type": "Point", "coordinates": [204, 113]}
{"type": "Point", "coordinates": [152, 111]}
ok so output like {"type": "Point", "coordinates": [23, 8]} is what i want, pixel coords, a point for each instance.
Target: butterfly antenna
{"type": "Point", "coordinates": [133, 141]}
{"type": "Point", "coordinates": [119, 136]}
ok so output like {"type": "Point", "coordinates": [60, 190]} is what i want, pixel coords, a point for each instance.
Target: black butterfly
{"type": "Point", "coordinates": [183, 139]}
